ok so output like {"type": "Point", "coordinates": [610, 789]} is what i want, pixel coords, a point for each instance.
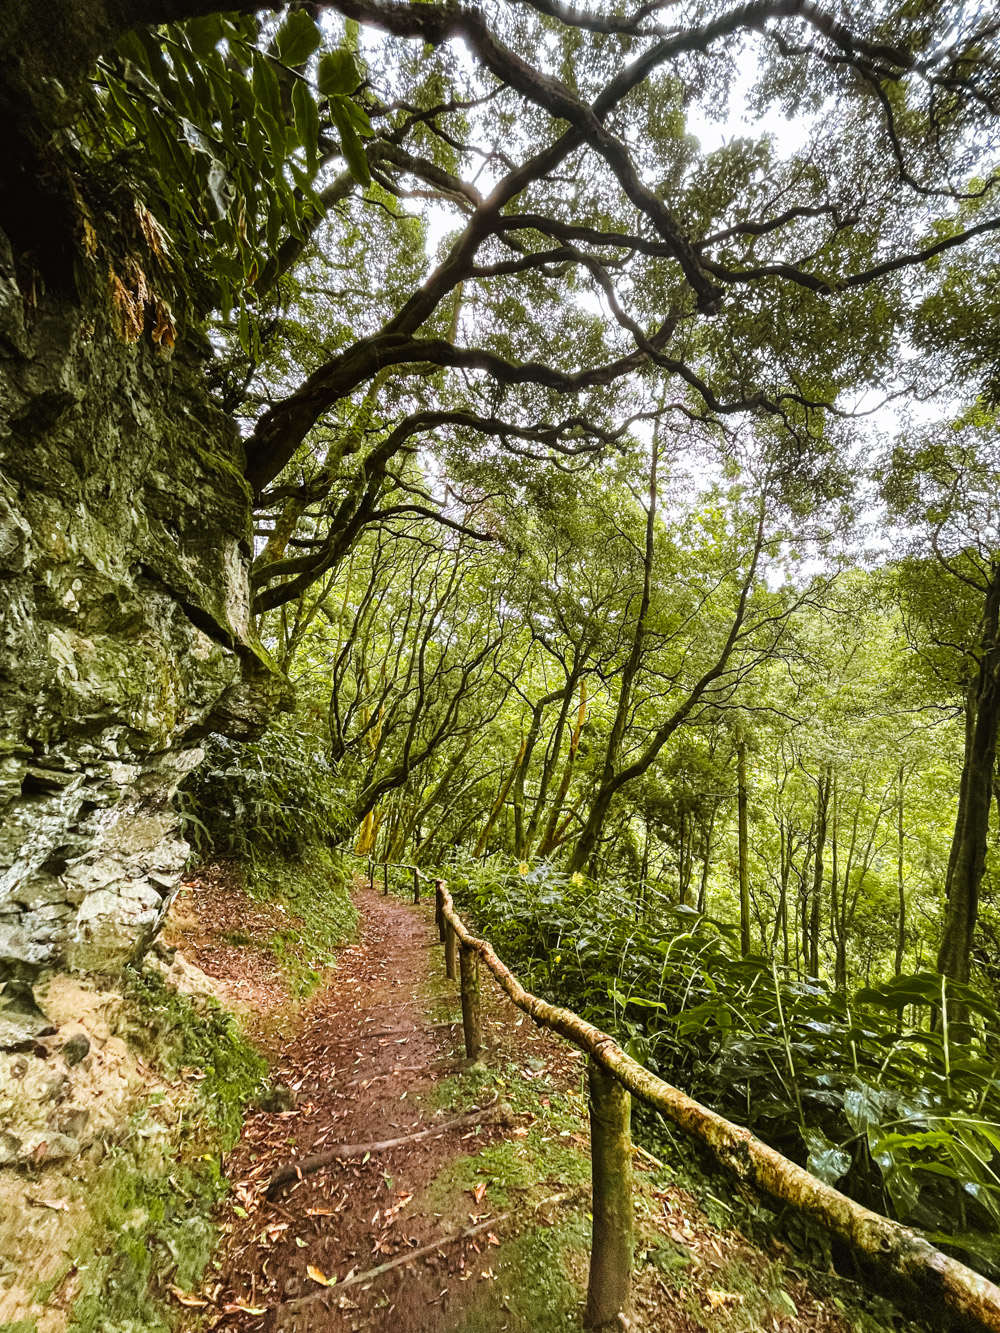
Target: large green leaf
{"type": "Point", "coordinates": [297, 38]}
{"type": "Point", "coordinates": [338, 73]}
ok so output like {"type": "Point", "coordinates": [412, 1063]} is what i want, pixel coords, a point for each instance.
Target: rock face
{"type": "Point", "coordinates": [125, 628]}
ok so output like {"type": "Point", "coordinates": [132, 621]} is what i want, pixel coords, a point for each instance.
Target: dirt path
{"type": "Point", "coordinates": [376, 1054]}
{"type": "Point", "coordinates": [363, 1064]}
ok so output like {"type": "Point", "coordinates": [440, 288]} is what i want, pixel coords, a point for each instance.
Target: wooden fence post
{"type": "Point", "coordinates": [450, 952]}
{"type": "Point", "coordinates": [416, 885]}
{"type": "Point", "coordinates": [472, 1020]}
{"type": "Point", "coordinates": [385, 872]}
{"type": "Point", "coordinates": [439, 908]}
{"type": "Point", "coordinates": [371, 870]}
{"type": "Point", "coordinates": [611, 1173]}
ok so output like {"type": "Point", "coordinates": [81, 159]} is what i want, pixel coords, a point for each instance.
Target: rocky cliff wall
{"type": "Point", "coordinates": [125, 631]}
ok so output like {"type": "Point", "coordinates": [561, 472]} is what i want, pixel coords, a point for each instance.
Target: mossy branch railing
{"type": "Point", "coordinates": [909, 1261]}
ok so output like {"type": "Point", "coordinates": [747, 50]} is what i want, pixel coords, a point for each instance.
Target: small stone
{"type": "Point", "coordinates": [10, 1147]}
{"type": "Point", "coordinates": [49, 1147]}
{"type": "Point", "coordinates": [75, 1047]}
{"type": "Point", "coordinates": [72, 1121]}
{"type": "Point", "coordinates": [19, 1027]}
{"type": "Point", "coordinates": [277, 1097]}
{"type": "Point", "coordinates": [53, 1087]}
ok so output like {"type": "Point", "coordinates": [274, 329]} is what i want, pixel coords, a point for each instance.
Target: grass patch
{"type": "Point", "coordinates": [535, 1271]}
{"type": "Point", "coordinates": [548, 1155]}
{"type": "Point", "coordinates": [175, 1033]}
{"type": "Point", "coordinates": [150, 1201]}
{"type": "Point", "coordinates": [314, 891]}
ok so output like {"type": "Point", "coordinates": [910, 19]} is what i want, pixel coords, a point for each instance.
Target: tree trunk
{"type": "Point", "coordinates": [550, 839]}
{"type": "Point", "coordinates": [498, 804]}
{"type": "Point", "coordinates": [551, 756]}
{"type": "Point", "coordinates": [968, 853]}
{"type": "Point", "coordinates": [706, 863]}
{"type": "Point", "coordinates": [900, 887]}
{"type": "Point", "coordinates": [744, 874]}
{"type": "Point", "coordinates": [811, 924]}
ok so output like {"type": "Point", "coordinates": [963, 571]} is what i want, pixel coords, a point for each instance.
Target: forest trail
{"type": "Point", "coordinates": [376, 1054]}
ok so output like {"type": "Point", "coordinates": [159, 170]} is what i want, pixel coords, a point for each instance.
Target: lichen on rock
{"type": "Point", "coordinates": [125, 624]}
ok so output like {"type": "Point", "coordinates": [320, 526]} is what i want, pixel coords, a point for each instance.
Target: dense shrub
{"type": "Point", "coordinates": [272, 797]}
{"type": "Point", "coordinates": [859, 1088]}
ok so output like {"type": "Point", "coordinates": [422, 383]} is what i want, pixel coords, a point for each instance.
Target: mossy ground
{"type": "Point", "coordinates": [151, 1199]}
{"type": "Point", "coordinates": [143, 1211]}
{"type": "Point", "coordinates": [313, 892]}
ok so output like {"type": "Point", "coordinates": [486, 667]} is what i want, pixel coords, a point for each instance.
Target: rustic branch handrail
{"type": "Point", "coordinates": [967, 1295]}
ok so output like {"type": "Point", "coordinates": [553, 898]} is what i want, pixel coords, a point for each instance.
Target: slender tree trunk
{"type": "Point", "coordinates": [521, 835]}
{"type": "Point", "coordinates": [550, 838]}
{"type": "Point", "coordinates": [741, 820]}
{"type": "Point", "coordinates": [706, 863]}
{"type": "Point", "coordinates": [499, 803]}
{"type": "Point", "coordinates": [811, 926]}
{"type": "Point", "coordinates": [836, 925]}
{"type": "Point", "coordinates": [786, 870]}
{"type": "Point", "coordinates": [968, 853]}
{"type": "Point", "coordinates": [900, 888]}
{"type": "Point", "coordinates": [553, 752]}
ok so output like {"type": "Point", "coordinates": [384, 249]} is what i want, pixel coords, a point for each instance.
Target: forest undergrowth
{"type": "Point", "coordinates": [859, 1088]}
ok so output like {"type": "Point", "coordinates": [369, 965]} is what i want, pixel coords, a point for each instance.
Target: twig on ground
{"type": "Point", "coordinates": [469, 1233]}
{"type": "Point", "coordinates": [347, 1151]}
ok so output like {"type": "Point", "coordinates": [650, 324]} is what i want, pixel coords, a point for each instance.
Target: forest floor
{"type": "Point", "coordinates": [376, 1054]}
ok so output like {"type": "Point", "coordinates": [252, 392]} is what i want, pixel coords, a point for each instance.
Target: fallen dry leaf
{"type": "Point", "coordinates": [479, 1193]}
{"type": "Point", "coordinates": [186, 1298]}
{"type": "Point", "coordinates": [720, 1299]}
{"type": "Point", "coordinates": [319, 1277]}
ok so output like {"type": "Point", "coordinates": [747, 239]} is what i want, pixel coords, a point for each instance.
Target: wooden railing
{"type": "Point", "coordinates": [914, 1269]}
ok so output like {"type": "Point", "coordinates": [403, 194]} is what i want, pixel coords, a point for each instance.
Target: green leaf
{"type": "Point", "coordinates": [359, 117]}
{"type": "Point", "coordinates": [351, 146]}
{"type": "Point", "coordinates": [338, 73]}
{"type": "Point", "coordinates": [297, 38]}
{"type": "Point", "coordinates": [826, 1161]}
{"type": "Point", "coordinates": [266, 89]}
{"type": "Point", "coordinates": [204, 34]}
{"type": "Point", "coordinates": [306, 116]}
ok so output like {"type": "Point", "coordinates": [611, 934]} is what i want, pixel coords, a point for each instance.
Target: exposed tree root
{"type": "Point", "coordinates": [346, 1151]}
{"type": "Point", "coordinates": [469, 1233]}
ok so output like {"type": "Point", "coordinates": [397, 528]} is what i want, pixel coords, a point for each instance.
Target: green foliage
{"type": "Point", "coordinates": [217, 124]}
{"type": "Point", "coordinates": [152, 1197]}
{"type": "Point", "coordinates": [321, 913]}
{"type": "Point", "coordinates": [272, 797]}
{"type": "Point", "coordinates": [174, 1033]}
{"type": "Point", "coordinates": [890, 1111]}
